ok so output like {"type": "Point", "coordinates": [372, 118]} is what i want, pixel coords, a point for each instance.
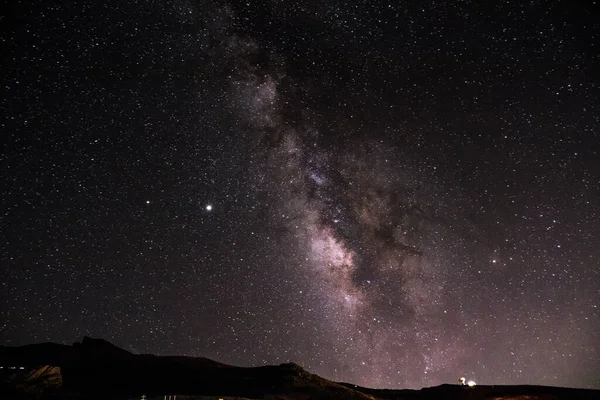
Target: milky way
{"type": "Point", "coordinates": [359, 222]}
{"type": "Point", "coordinates": [389, 195]}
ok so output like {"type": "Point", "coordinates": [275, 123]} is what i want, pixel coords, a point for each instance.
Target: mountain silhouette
{"type": "Point", "coordinates": [97, 369]}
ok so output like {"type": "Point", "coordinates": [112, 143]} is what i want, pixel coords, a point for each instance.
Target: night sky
{"type": "Point", "coordinates": [394, 194]}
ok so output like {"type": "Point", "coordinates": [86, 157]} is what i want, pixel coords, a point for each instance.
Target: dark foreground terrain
{"type": "Point", "coordinates": [96, 369]}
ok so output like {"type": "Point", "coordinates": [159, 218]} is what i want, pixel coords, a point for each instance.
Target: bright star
{"type": "Point", "coordinates": [208, 207]}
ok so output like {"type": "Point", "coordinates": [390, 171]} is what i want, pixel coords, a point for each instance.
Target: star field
{"type": "Point", "coordinates": [393, 195]}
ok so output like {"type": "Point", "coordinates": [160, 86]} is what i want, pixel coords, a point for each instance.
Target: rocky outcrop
{"type": "Point", "coordinates": [31, 382]}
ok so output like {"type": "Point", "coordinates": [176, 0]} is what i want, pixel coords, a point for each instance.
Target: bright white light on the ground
{"type": "Point", "coordinates": [471, 383]}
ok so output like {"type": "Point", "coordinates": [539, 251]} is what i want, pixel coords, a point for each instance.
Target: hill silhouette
{"type": "Point", "coordinates": [96, 368]}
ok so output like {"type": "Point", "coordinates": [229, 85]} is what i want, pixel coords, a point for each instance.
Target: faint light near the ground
{"type": "Point", "coordinates": [471, 383]}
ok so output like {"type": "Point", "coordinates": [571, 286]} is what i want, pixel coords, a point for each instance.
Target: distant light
{"type": "Point", "coordinates": [147, 201]}
{"type": "Point", "coordinates": [209, 208]}
{"type": "Point", "coordinates": [21, 367]}
{"type": "Point", "coordinates": [471, 383]}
